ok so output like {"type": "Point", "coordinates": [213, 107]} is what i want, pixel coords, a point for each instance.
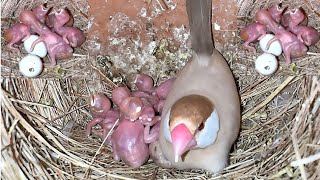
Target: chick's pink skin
{"type": "Point", "coordinates": [15, 35]}
{"type": "Point", "coordinates": [264, 17]}
{"type": "Point", "coordinates": [99, 105]}
{"type": "Point", "coordinates": [276, 12]}
{"type": "Point", "coordinates": [57, 48]}
{"type": "Point", "coordinates": [28, 18]}
{"type": "Point", "coordinates": [147, 114]}
{"type": "Point", "coordinates": [41, 12]}
{"type": "Point", "coordinates": [152, 134]}
{"type": "Point", "coordinates": [306, 34]}
{"type": "Point", "coordinates": [106, 124]}
{"type": "Point", "coordinates": [291, 46]}
{"type": "Point", "coordinates": [163, 89]}
{"type": "Point", "coordinates": [128, 143]}
{"type": "Point", "coordinates": [104, 132]}
{"type": "Point", "coordinates": [91, 124]}
{"type": "Point", "coordinates": [131, 108]}
{"type": "Point", "coordinates": [286, 18]}
{"type": "Point", "coordinates": [144, 82]}
{"type": "Point", "coordinates": [151, 99]}
{"type": "Point", "coordinates": [51, 18]}
{"type": "Point", "coordinates": [159, 107]}
{"type": "Point", "coordinates": [71, 35]}
{"type": "Point", "coordinates": [119, 94]}
{"type": "Point", "coordinates": [252, 33]}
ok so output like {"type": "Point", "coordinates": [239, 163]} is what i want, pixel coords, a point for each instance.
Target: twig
{"type": "Point", "coordinates": [98, 151]}
{"type": "Point", "coordinates": [269, 98]}
{"type": "Point", "coordinates": [253, 85]}
{"type": "Point", "coordinates": [297, 153]}
{"type": "Point", "coordinates": [306, 160]}
{"type": "Point", "coordinates": [316, 106]}
{"type": "Point", "coordinates": [312, 53]}
{"type": "Point", "coordinates": [30, 103]}
{"type": "Point", "coordinates": [104, 77]}
{"type": "Point", "coordinates": [63, 115]}
{"type": "Point", "coordinates": [79, 55]}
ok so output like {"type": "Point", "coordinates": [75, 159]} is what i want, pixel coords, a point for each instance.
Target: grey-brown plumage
{"type": "Point", "coordinates": [199, 15]}
{"type": "Point", "coordinates": [208, 76]}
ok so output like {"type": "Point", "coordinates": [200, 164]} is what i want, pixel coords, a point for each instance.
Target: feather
{"type": "Point", "coordinates": [199, 15]}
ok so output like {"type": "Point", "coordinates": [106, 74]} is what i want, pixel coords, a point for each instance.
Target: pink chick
{"type": "Point", "coordinates": [152, 134]}
{"type": "Point", "coordinates": [57, 48]}
{"type": "Point", "coordinates": [306, 34]}
{"type": "Point", "coordinates": [252, 33]}
{"type": "Point", "coordinates": [106, 124]}
{"type": "Point", "coordinates": [119, 94]}
{"type": "Point", "coordinates": [51, 18]}
{"type": "Point", "coordinates": [292, 47]}
{"type": "Point", "coordinates": [276, 12]}
{"type": "Point", "coordinates": [28, 18]}
{"type": "Point", "coordinates": [131, 108]}
{"type": "Point", "coordinates": [71, 35]}
{"type": "Point", "coordinates": [15, 34]}
{"type": "Point", "coordinates": [163, 89]}
{"type": "Point", "coordinates": [296, 17]}
{"type": "Point", "coordinates": [147, 114]}
{"type": "Point", "coordinates": [128, 143]}
{"type": "Point", "coordinates": [99, 105]}
{"type": "Point", "coordinates": [41, 12]}
{"type": "Point", "coordinates": [264, 17]}
{"type": "Point", "coordinates": [151, 99]}
{"type": "Point", "coordinates": [159, 107]}
{"type": "Point", "coordinates": [106, 121]}
{"type": "Point", "coordinates": [152, 122]}
{"type": "Point", "coordinates": [144, 82]}
{"type": "Point", "coordinates": [285, 20]}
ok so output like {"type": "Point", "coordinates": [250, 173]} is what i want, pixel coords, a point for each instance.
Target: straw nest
{"type": "Point", "coordinates": [43, 120]}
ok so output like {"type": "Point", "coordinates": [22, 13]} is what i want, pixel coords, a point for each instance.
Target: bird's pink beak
{"type": "Point", "coordinates": [182, 140]}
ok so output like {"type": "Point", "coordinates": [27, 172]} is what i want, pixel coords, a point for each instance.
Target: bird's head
{"type": "Point", "coordinates": [192, 122]}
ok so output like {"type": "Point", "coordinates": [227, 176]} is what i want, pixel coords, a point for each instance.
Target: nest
{"type": "Point", "coordinates": [43, 119]}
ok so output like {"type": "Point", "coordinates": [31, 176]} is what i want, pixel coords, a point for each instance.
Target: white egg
{"type": "Point", "coordinates": [275, 47]}
{"type": "Point", "coordinates": [266, 64]}
{"type": "Point", "coordinates": [30, 65]}
{"type": "Point", "coordinates": [39, 49]}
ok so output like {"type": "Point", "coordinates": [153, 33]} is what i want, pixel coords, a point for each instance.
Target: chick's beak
{"type": "Point", "coordinates": [182, 140]}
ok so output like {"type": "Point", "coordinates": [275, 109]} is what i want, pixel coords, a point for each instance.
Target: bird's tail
{"type": "Point", "coordinates": [199, 14]}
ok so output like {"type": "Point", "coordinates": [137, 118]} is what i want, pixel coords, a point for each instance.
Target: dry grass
{"type": "Point", "coordinates": [43, 120]}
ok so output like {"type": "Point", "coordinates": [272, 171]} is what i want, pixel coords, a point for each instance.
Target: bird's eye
{"type": "Point", "coordinates": [201, 126]}
{"type": "Point", "coordinates": [208, 131]}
